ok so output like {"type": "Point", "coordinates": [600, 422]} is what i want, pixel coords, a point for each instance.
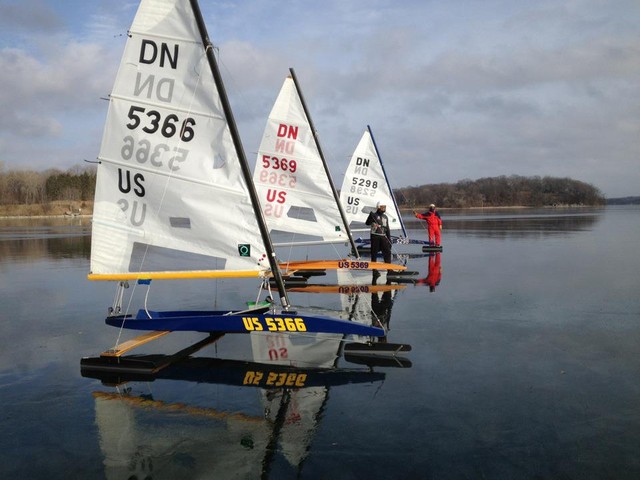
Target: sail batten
{"type": "Point", "coordinates": [131, 231]}
{"type": "Point", "coordinates": [174, 176]}
{"type": "Point", "coordinates": [308, 243]}
{"type": "Point", "coordinates": [166, 37]}
{"type": "Point", "coordinates": [168, 107]}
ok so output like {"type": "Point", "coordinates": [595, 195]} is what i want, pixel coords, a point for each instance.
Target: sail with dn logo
{"type": "Point", "coordinates": [295, 187]}
{"type": "Point", "coordinates": [174, 196]}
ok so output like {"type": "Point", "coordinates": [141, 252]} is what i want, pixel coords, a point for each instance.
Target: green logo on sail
{"type": "Point", "coordinates": [244, 249]}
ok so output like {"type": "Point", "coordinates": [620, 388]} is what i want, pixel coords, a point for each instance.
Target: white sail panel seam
{"type": "Point", "coordinates": [165, 106]}
{"type": "Point", "coordinates": [310, 243]}
{"type": "Point", "coordinates": [172, 175]}
{"type": "Point", "coordinates": [166, 37]}
{"type": "Point", "coordinates": [302, 193]}
{"type": "Point", "coordinates": [120, 227]}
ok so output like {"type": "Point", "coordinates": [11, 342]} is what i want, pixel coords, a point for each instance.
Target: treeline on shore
{"type": "Point", "coordinates": [27, 187]}
{"type": "Point", "coordinates": [503, 191]}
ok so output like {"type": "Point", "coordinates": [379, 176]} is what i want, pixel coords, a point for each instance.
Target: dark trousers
{"type": "Point", "coordinates": [380, 242]}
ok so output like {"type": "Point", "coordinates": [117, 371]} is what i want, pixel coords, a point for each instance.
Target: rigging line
{"type": "Point", "coordinates": [117, 305]}
{"type": "Point", "coordinates": [290, 253]}
{"type": "Point", "coordinates": [270, 296]}
{"type": "Point", "coordinates": [231, 80]}
{"type": "Point", "coordinates": [146, 296]}
{"type": "Point", "coordinates": [238, 93]}
{"type": "Point", "coordinates": [423, 224]}
{"type": "Point", "coordinates": [242, 99]}
{"type": "Point", "coordinates": [125, 313]}
{"type": "Point", "coordinates": [334, 246]}
{"type": "Point", "coordinates": [215, 291]}
{"type": "Point", "coordinates": [412, 205]}
{"type": "Point", "coordinates": [260, 288]}
{"type": "Point", "coordinates": [117, 300]}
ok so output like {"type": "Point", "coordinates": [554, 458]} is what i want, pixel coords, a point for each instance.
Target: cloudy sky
{"type": "Point", "coordinates": [457, 89]}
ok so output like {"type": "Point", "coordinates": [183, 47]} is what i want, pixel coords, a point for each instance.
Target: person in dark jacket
{"type": "Point", "coordinates": [380, 233]}
{"type": "Point", "coordinates": [434, 223]}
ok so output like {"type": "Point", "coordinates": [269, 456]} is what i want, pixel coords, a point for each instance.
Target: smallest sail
{"type": "Point", "coordinates": [365, 184]}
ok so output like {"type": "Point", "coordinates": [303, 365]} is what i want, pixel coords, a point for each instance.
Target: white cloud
{"type": "Point", "coordinates": [50, 106]}
{"type": "Point", "coordinates": [451, 90]}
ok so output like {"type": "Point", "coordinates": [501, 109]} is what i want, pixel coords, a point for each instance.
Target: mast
{"type": "Point", "coordinates": [345, 222]}
{"type": "Point", "coordinates": [246, 173]}
{"type": "Point", "coordinates": [393, 197]}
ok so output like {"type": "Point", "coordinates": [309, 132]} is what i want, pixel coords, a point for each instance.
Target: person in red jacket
{"type": "Point", "coordinates": [434, 222]}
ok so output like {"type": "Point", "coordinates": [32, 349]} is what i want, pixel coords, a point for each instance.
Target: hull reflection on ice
{"type": "Point", "coordinates": [296, 413]}
{"type": "Point", "coordinates": [143, 438]}
{"type": "Point", "coordinates": [369, 307]}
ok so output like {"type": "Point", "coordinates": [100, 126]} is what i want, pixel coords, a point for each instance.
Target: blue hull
{"type": "Point", "coordinates": [219, 321]}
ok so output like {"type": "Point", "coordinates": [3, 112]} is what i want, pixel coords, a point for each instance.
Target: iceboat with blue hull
{"type": "Point", "coordinates": [174, 197]}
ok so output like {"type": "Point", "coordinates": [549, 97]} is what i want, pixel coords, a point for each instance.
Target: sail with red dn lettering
{"type": "Point", "coordinates": [293, 183]}
{"type": "Point", "coordinates": [170, 194]}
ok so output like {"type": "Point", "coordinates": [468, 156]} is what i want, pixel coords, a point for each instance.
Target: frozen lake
{"type": "Point", "coordinates": [524, 365]}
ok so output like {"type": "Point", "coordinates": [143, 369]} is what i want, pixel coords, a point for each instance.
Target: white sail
{"type": "Point", "coordinates": [294, 188]}
{"type": "Point", "coordinates": [365, 184]}
{"type": "Point", "coordinates": [170, 193]}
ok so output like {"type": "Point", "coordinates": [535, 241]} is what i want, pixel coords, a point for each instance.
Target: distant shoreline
{"type": "Point", "coordinates": [70, 209]}
{"type": "Point", "coordinates": [85, 209]}
{"type": "Point", "coordinates": [488, 207]}
{"type": "Point", "coordinates": [11, 217]}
